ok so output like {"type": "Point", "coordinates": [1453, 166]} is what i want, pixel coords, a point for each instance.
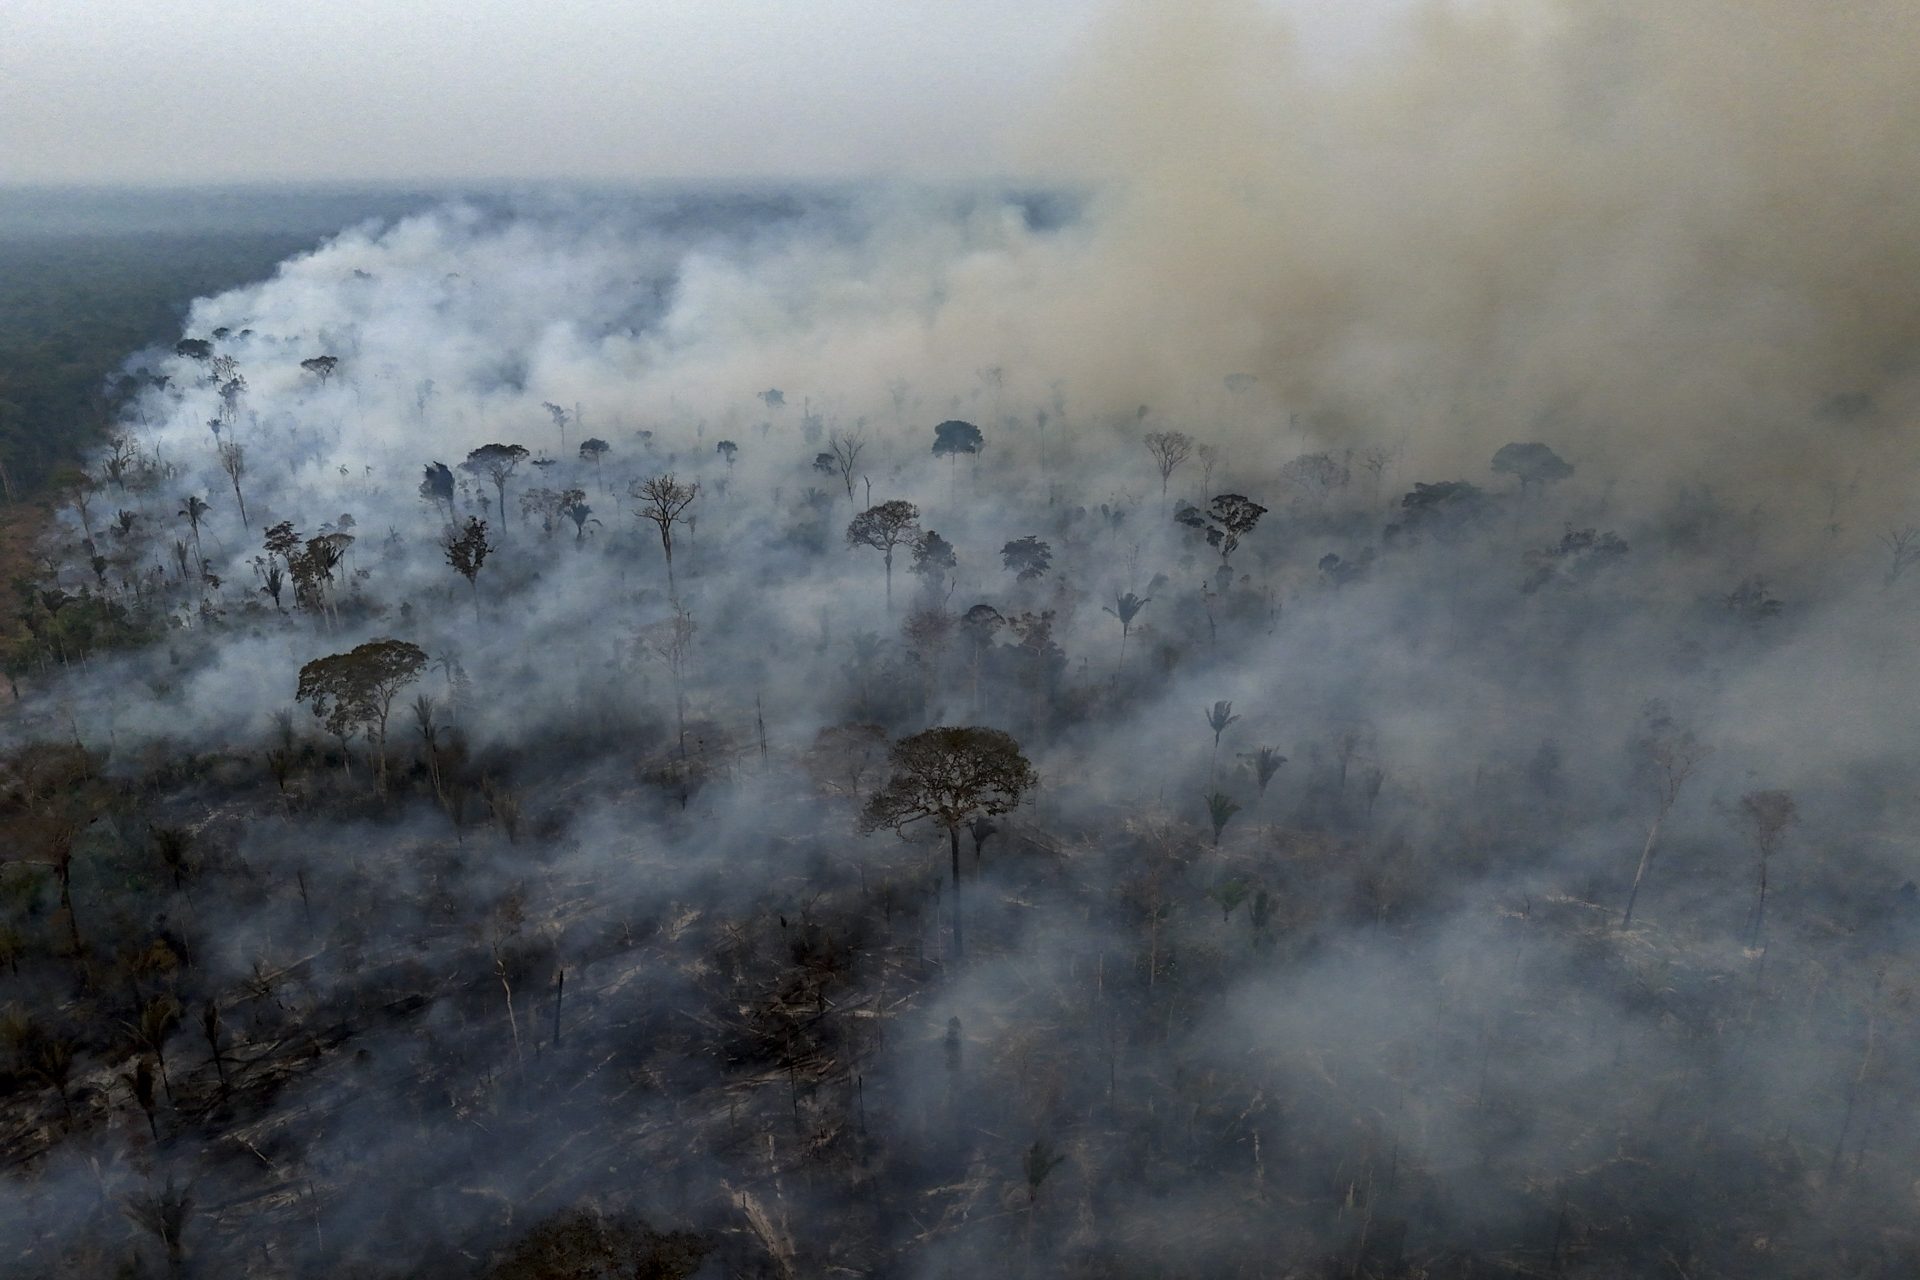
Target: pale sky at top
{"type": "Point", "coordinates": [171, 91]}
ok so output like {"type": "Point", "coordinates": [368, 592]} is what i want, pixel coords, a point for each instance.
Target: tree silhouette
{"type": "Point", "coordinates": [1229, 518]}
{"type": "Point", "coordinates": [355, 691]}
{"type": "Point", "coordinates": [1169, 450]}
{"type": "Point", "coordinates": [671, 641]}
{"type": "Point", "coordinates": [79, 488]}
{"type": "Point", "coordinates": [664, 501]}
{"type": "Point", "coordinates": [321, 367]}
{"type": "Point", "coordinates": [1667, 755]}
{"type": "Point", "coordinates": [194, 510]}
{"type": "Point", "coordinates": [1027, 558]}
{"type": "Point", "coordinates": [560, 418]}
{"type": "Point", "coordinates": [437, 487]}
{"type": "Point", "coordinates": [843, 456]}
{"type": "Point", "coordinates": [594, 450]}
{"type": "Point", "coordinates": [950, 775]}
{"type": "Point", "coordinates": [1766, 816]}
{"type": "Point", "coordinates": [1533, 464]}
{"type": "Point", "coordinates": [883, 528]}
{"type": "Point", "coordinates": [233, 461]}
{"type": "Point", "coordinates": [1127, 607]}
{"type": "Point", "coordinates": [573, 505]}
{"type": "Point", "coordinates": [953, 438]}
{"type": "Point", "coordinates": [933, 555]}
{"type": "Point", "coordinates": [1265, 763]}
{"type": "Point", "coordinates": [1220, 811]}
{"type": "Point", "coordinates": [496, 462]}
{"type": "Point", "coordinates": [467, 549]}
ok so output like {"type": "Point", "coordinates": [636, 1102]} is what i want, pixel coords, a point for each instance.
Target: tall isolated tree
{"type": "Point", "coordinates": [560, 418]}
{"type": "Point", "coordinates": [954, 437]}
{"type": "Point", "coordinates": [1265, 763]}
{"type": "Point", "coordinates": [467, 549]}
{"type": "Point", "coordinates": [1227, 519]}
{"type": "Point", "coordinates": [497, 463]}
{"type": "Point", "coordinates": [843, 456]}
{"type": "Point", "coordinates": [594, 450]}
{"type": "Point", "coordinates": [950, 775]}
{"type": "Point", "coordinates": [437, 487]}
{"type": "Point", "coordinates": [883, 528]}
{"type": "Point", "coordinates": [664, 501]}
{"type": "Point", "coordinates": [321, 367]}
{"type": "Point", "coordinates": [1666, 755]}
{"type": "Point", "coordinates": [79, 488]}
{"type": "Point", "coordinates": [573, 505]}
{"type": "Point", "coordinates": [1534, 464]}
{"type": "Point", "coordinates": [1766, 815]}
{"type": "Point", "coordinates": [1127, 607]}
{"type": "Point", "coordinates": [355, 691]}
{"type": "Point", "coordinates": [1027, 558]}
{"type": "Point", "coordinates": [933, 558]}
{"type": "Point", "coordinates": [671, 642]}
{"type": "Point", "coordinates": [1903, 551]}
{"type": "Point", "coordinates": [1169, 450]}
{"type": "Point", "coordinates": [194, 510]}
{"type": "Point", "coordinates": [1313, 478]}
{"type": "Point", "coordinates": [1220, 810]}
{"type": "Point", "coordinates": [233, 461]}
{"type": "Point", "coordinates": [313, 568]}
{"type": "Point", "coordinates": [1219, 716]}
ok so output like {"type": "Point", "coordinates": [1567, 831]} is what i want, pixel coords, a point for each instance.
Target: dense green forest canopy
{"type": "Point", "coordinates": [90, 277]}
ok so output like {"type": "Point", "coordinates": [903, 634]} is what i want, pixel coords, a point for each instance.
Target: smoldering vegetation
{"type": "Point", "coordinates": [470, 806]}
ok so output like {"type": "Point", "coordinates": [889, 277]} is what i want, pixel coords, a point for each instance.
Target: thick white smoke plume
{"type": "Point", "coordinates": [1481, 970]}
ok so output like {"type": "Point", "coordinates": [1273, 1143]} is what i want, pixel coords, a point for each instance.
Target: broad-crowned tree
{"type": "Point", "coordinates": [1533, 464]}
{"type": "Point", "coordinates": [1027, 558]}
{"type": "Point", "coordinates": [664, 501]}
{"type": "Point", "coordinates": [1169, 450]}
{"type": "Point", "coordinates": [948, 776]}
{"type": "Point", "coordinates": [437, 487]}
{"type": "Point", "coordinates": [954, 437]}
{"type": "Point", "coordinates": [885, 527]}
{"type": "Point", "coordinates": [594, 450]}
{"type": "Point", "coordinates": [1227, 519]}
{"type": "Point", "coordinates": [354, 691]}
{"type": "Point", "coordinates": [467, 549]}
{"type": "Point", "coordinates": [496, 463]}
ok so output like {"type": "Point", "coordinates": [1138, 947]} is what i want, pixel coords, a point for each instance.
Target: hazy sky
{"type": "Point", "coordinates": [170, 91]}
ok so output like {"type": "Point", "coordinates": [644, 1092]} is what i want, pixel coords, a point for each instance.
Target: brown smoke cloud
{"type": "Point", "coordinates": [1668, 235]}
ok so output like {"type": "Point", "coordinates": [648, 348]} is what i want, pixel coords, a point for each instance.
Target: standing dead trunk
{"type": "Point", "coordinates": [1640, 873]}
{"type": "Point", "coordinates": [959, 928]}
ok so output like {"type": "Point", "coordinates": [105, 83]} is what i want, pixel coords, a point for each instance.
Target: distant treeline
{"type": "Point", "coordinates": [74, 308]}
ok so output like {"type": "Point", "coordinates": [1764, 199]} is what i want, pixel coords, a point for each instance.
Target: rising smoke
{"type": "Point", "coordinates": [1383, 1018]}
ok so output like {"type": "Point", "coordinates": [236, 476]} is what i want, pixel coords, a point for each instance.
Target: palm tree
{"type": "Point", "coordinates": [1265, 763]}
{"type": "Point", "coordinates": [1219, 716]}
{"type": "Point", "coordinates": [1127, 607]}
{"type": "Point", "coordinates": [1220, 811]}
{"type": "Point", "coordinates": [194, 509]}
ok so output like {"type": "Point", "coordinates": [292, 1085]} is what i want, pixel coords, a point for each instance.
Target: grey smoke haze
{"type": "Point", "coordinates": [163, 91]}
{"type": "Point", "coordinates": [1631, 236]}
